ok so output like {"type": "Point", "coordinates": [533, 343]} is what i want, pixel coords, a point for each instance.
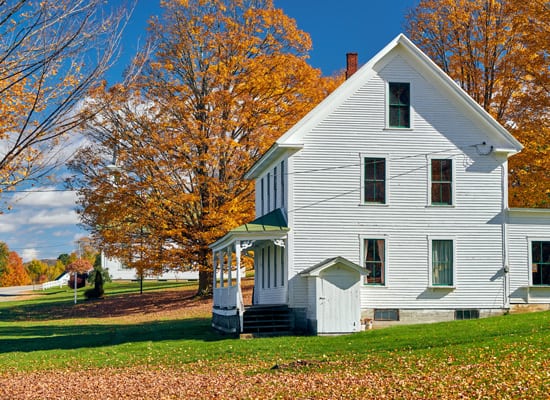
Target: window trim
{"type": "Point", "coordinates": [387, 106]}
{"type": "Point", "coordinates": [430, 239]}
{"type": "Point", "coordinates": [453, 182]}
{"type": "Point", "coordinates": [362, 238]}
{"type": "Point", "coordinates": [530, 240]}
{"type": "Point", "coordinates": [387, 178]}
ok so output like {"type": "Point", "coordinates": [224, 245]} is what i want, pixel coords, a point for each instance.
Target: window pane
{"type": "Point", "coordinates": [442, 262]}
{"type": "Point", "coordinates": [436, 170]}
{"type": "Point", "coordinates": [380, 170]}
{"type": "Point", "coordinates": [369, 168]}
{"type": "Point", "coordinates": [446, 170]}
{"type": "Point", "coordinates": [370, 192]}
{"type": "Point", "coordinates": [445, 193]}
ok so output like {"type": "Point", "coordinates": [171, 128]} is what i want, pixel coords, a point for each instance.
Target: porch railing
{"type": "Point", "coordinates": [227, 297]}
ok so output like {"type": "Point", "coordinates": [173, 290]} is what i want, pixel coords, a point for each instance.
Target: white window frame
{"type": "Point", "coordinates": [374, 235]}
{"type": "Point", "coordinates": [386, 182]}
{"type": "Point", "coordinates": [430, 239]}
{"type": "Point", "coordinates": [530, 240]}
{"type": "Point", "coordinates": [453, 183]}
{"type": "Point", "coordinates": [387, 126]}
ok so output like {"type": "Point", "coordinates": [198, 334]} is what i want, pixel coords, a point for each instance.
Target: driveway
{"type": "Point", "coordinates": [11, 293]}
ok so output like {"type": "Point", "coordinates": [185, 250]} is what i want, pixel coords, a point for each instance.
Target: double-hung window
{"type": "Point", "coordinates": [399, 105]}
{"type": "Point", "coordinates": [375, 261]}
{"type": "Point", "coordinates": [540, 262]}
{"type": "Point", "coordinates": [442, 260]}
{"type": "Point", "coordinates": [441, 182]}
{"type": "Point", "coordinates": [374, 180]}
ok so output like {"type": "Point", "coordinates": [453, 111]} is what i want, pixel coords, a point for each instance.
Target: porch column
{"type": "Point", "coordinates": [220, 259]}
{"type": "Point", "coordinates": [213, 267]}
{"type": "Point", "coordinates": [238, 261]}
{"type": "Point", "coordinates": [229, 265]}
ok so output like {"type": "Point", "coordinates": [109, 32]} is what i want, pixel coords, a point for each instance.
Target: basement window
{"type": "Point", "coordinates": [466, 314]}
{"type": "Point", "coordinates": [386, 314]}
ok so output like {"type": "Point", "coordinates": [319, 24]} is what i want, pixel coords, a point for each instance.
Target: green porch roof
{"type": "Point", "coordinates": [273, 221]}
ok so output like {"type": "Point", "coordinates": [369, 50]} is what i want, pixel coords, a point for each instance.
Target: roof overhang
{"type": "Point", "coordinates": [270, 156]}
{"type": "Point", "coordinates": [317, 269]}
{"type": "Point", "coordinates": [271, 226]}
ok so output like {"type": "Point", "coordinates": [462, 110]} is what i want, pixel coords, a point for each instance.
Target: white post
{"type": "Point", "coordinates": [221, 259]}
{"type": "Point", "coordinates": [214, 261]}
{"type": "Point", "coordinates": [75, 285]}
{"type": "Point", "coordinates": [229, 266]}
{"type": "Point", "coordinates": [238, 261]}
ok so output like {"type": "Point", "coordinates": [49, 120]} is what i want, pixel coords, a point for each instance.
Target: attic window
{"type": "Point", "coordinates": [399, 105]}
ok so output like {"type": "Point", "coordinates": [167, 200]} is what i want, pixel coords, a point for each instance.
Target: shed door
{"type": "Point", "coordinates": [338, 301]}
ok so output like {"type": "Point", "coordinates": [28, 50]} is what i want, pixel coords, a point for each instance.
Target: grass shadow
{"type": "Point", "coordinates": [63, 337]}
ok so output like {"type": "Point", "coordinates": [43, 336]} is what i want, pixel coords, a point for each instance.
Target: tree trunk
{"type": "Point", "coordinates": [205, 283]}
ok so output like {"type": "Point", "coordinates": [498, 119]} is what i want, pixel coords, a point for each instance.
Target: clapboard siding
{"type": "Point", "coordinates": [328, 218]}
{"type": "Point", "coordinates": [525, 225]}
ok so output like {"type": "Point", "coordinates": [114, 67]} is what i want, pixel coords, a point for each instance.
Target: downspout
{"type": "Point", "coordinates": [504, 219]}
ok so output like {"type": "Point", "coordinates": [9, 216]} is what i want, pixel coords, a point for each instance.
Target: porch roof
{"type": "Point", "coordinates": [270, 225]}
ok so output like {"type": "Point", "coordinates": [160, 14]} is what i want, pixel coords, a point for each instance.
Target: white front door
{"type": "Point", "coordinates": [338, 301]}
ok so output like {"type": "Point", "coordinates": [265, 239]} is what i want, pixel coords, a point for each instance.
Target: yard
{"type": "Point", "coordinates": [159, 345]}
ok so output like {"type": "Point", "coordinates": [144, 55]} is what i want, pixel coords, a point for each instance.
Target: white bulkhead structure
{"type": "Point", "coordinates": [391, 195]}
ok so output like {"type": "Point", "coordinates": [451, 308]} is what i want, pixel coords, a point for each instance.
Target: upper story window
{"type": "Point", "coordinates": [375, 180]}
{"type": "Point", "coordinates": [540, 262]}
{"type": "Point", "coordinates": [399, 105]}
{"type": "Point", "coordinates": [442, 182]}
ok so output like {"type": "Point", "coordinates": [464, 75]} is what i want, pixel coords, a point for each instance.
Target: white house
{"type": "Point", "coordinates": [388, 201]}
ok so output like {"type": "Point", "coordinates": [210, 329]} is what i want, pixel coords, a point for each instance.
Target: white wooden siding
{"type": "Point", "coordinates": [327, 218]}
{"type": "Point", "coordinates": [275, 189]}
{"type": "Point", "coordinates": [523, 226]}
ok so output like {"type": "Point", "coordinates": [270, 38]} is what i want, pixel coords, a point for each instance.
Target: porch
{"type": "Point", "coordinates": [263, 242]}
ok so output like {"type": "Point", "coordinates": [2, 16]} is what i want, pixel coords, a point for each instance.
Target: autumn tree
{"type": "Point", "coordinates": [51, 54]}
{"type": "Point", "coordinates": [80, 269]}
{"type": "Point", "coordinates": [14, 273]}
{"type": "Point", "coordinates": [164, 176]}
{"type": "Point", "coordinates": [497, 51]}
{"type": "Point", "coordinates": [37, 270]}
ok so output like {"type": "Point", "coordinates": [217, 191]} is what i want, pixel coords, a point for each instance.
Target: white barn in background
{"type": "Point", "coordinates": [118, 271]}
{"type": "Point", "coordinates": [387, 202]}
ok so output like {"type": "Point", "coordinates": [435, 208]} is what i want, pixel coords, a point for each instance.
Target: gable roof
{"type": "Point", "coordinates": [316, 269]}
{"type": "Point", "coordinates": [292, 139]}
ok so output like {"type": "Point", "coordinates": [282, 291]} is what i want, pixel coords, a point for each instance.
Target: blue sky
{"type": "Point", "coordinates": [45, 224]}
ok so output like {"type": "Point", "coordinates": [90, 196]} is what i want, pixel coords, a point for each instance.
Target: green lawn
{"type": "Point", "coordinates": [516, 344]}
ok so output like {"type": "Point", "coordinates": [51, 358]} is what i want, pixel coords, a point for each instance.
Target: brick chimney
{"type": "Point", "coordinates": [351, 66]}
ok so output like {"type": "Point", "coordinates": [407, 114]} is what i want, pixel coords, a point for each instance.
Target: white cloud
{"type": "Point", "coordinates": [6, 227]}
{"type": "Point", "coordinates": [42, 197]}
{"type": "Point", "coordinates": [29, 254]}
{"type": "Point", "coordinates": [53, 218]}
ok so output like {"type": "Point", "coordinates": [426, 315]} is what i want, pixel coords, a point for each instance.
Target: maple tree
{"type": "Point", "coordinates": [226, 80]}
{"type": "Point", "coordinates": [13, 272]}
{"type": "Point", "coordinates": [51, 54]}
{"type": "Point", "coordinates": [496, 50]}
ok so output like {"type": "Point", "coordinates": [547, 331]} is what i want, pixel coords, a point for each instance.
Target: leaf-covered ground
{"type": "Point", "coordinates": [511, 366]}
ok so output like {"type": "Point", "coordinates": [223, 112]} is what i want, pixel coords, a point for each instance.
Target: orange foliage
{"type": "Point", "coordinates": [497, 51]}
{"type": "Point", "coordinates": [227, 79]}
{"type": "Point", "coordinates": [14, 273]}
